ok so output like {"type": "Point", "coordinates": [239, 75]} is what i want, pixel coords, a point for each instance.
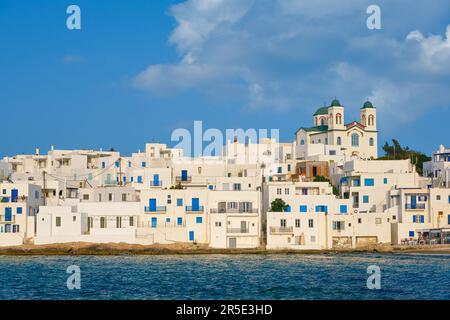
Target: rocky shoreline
{"type": "Point", "coordinates": [189, 249]}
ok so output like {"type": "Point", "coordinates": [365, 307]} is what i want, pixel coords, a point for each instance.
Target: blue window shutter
{"type": "Point", "coordinates": [179, 202]}
{"type": "Point", "coordinates": [448, 199]}
{"type": "Point", "coordinates": [184, 175]}
{"type": "Point", "coordinates": [152, 205]}
{"type": "Point", "coordinates": [191, 236]}
{"type": "Point", "coordinates": [303, 208]}
{"type": "Point", "coordinates": [14, 195]}
{"type": "Point", "coordinates": [422, 219]}
{"type": "Point", "coordinates": [411, 233]}
{"type": "Point", "coordinates": [154, 222]}
{"type": "Point", "coordinates": [156, 179]}
{"type": "Point", "coordinates": [343, 208]}
{"type": "Point", "coordinates": [288, 209]}
{"type": "Point", "coordinates": [289, 167]}
{"type": "Point", "coordinates": [368, 182]}
{"type": "Point", "coordinates": [117, 164]}
{"type": "Point", "coordinates": [132, 179]}
{"type": "Point", "coordinates": [8, 214]}
{"type": "Point", "coordinates": [139, 179]}
{"type": "Point", "coordinates": [19, 210]}
{"type": "Point", "coordinates": [180, 221]}
{"type": "Point", "coordinates": [199, 220]}
{"type": "Point", "coordinates": [195, 204]}
{"type": "Point", "coordinates": [167, 219]}
{"type": "Point", "coordinates": [448, 218]}
{"type": "Point", "coordinates": [414, 219]}
{"type": "Point", "coordinates": [385, 180]}
{"type": "Point", "coordinates": [365, 199]}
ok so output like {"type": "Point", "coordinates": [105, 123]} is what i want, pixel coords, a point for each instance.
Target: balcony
{"type": "Point", "coordinates": [281, 230]}
{"type": "Point", "coordinates": [155, 183]}
{"type": "Point", "coordinates": [234, 211]}
{"type": "Point", "coordinates": [417, 206]}
{"type": "Point", "coordinates": [238, 230]}
{"type": "Point", "coordinates": [2, 219]}
{"type": "Point", "coordinates": [156, 210]}
{"type": "Point", "coordinates": [199, 209]}
{"type": "Point", "coordinates": [180, 179]}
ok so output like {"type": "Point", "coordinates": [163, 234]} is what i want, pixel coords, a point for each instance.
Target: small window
{"type": "Point", "coordinates": [85, 197]}
{"type": "Point", "coordinates": [110, 197]}
{"type": "Point", "coordinates": [58, 221]}
{"type": "Point", "coordinates": [124, 197]}
{"type": "Point", "coordinates": [297, 223]}
{"type": "Point", "coordinates": [179, 202]}
{"type": "Point", "coordinates": [311, 223]}
{"type": "Point", "coordinates": [199, 220]}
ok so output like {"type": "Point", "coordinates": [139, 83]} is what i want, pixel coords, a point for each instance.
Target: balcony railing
{"type": "Point", "coordinates": [281, 230]}
{"type": "Point", "coordinates": [417, 206]}
{"type": "Point", "coordinates": [180, 179]}
{"type": "Point", "coordinates": [237, 230]}
{"type": "Point", "coordinates": [2, 219]}
{"type": "Point", "coordinates": [155, 183]}
{"type": "Point", "coordinates": [199, 209]}
{"type": "Point", "coordinates": [243, 211]}
{"type": "Point", "coordinates": [161, 209]}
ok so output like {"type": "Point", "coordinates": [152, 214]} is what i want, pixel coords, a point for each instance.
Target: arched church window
{"type": "Point", "coordinates": [363, 120]}
{"type": "Point", "coordinates": [326, 140]}
{"type": "Point", "coordinates": [339, 141]}
{"type": "Point", "coordinates": [338, 118]}
{"type": "Point", "coordinates": [371, 120]}
{"type": "Point", "coordinates": [302, 142]}
{"type": "Point", "coordinates": [355, 140]}
{"type": "Point", "coordinates": [371, 142]}
{"type": "Point", "coordinates": [322, 121]}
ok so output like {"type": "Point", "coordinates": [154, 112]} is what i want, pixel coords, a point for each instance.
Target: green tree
{"type": "Point", "coordinates": [397, 152]}
{"type": "Point", "coordinates": [278, 205]}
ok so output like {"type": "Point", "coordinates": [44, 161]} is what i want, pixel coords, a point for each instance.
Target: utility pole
{"type": "Point", "coordinates": [45, 187]}
{"type": "Point", "coordinates": [120, 171]}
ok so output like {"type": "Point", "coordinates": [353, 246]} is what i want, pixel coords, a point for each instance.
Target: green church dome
{"type": "Point", "coordinates": [335, 103]}
{"type": "Point", "coordinates": [322, 110]}
{"type": "Point", "coordinates": [367, 105]}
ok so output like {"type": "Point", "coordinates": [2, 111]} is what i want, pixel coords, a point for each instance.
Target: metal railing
{"type": "Point", "coordinates": [215, 210]}
{"type": "Point", "coordinates": [238, 230]}
{"type": "Point", "coordinates": [3, 220]}
{"type": "Point", "coordinates": [281, 230]}
{"type": "Point", "coordinates": [199, 209]}
{"type": "Point", "coordinates": [155, 183]}
{"type": "Point", "coordinates": [417, 206]}
{"type": "Point", "coordinates": [180, 179]}
{"type": "Point", "coordinates": [160, 209]}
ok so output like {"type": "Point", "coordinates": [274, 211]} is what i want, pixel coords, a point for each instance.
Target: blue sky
{"type": "Point", "coordinates": [140, 69]}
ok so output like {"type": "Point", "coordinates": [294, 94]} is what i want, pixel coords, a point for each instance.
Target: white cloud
{"type": "Point", "coordinates": [435, 50]}
{"type": "Point", "coordinates": [294, 54]}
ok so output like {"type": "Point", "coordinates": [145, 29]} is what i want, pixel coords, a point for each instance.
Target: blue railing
{"type": "Point", "coordinates": [197, 209]}
{"type": "Point", "coordinates": [417, 206]}
{"type": "Point", "coordinates": [157, 209]}
{"type": "Point", "coordinates": [155, 183]}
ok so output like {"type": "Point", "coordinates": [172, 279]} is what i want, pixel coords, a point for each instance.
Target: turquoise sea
{"type": "Point", "coordinates": [324, 276]}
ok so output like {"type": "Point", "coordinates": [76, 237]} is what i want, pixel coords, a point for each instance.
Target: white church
{"type": "Point", "coordinates": [331, 136]}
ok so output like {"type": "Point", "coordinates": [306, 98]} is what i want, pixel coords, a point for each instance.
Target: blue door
{"type": "Point", "coordinates": [14, 195]}
{"type": "Point", "coordinates": [152, 205]}
{"type": "Point", "coordinates": [184, 175]}
{"type": "Point", "coordinates": [8, 214]}
{"type": "Point", "coordinates": [154, 222]}
{"type": "Point", "coordinates": [413, 202]}
{"type": "Point", "coordinates": [156, 179]}
{"type": "Point", "coordinates": [191, 235]}
{"type": "Point", "coordinates": [195, 204]}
